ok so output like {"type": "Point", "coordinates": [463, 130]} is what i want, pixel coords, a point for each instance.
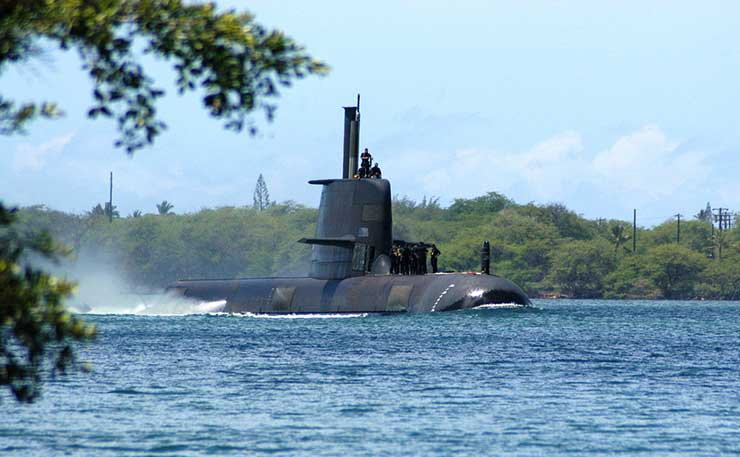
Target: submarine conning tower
{"type": "Point", "coordinates": [354, 227]}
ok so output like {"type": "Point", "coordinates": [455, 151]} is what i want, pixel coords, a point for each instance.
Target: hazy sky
{"type": "Point", "coordinates": [603, 106]}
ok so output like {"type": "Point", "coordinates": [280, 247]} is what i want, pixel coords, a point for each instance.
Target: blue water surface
{"type": "Point", "coordinates": [568, 377]}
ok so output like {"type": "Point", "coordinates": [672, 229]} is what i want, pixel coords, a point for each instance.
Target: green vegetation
{"type": "Point", "coordinates": [546, 249]}
{"type": "Point", "coordinates": [165, 208]}
{"type": "Point", "coordinates": [235, 63]}
{"type": "Point", "coordinates": [151, 250]}
{"type": "Point", "coordinates": [37, 332]}
{"type": "Point", "coordinates": [261, 194]}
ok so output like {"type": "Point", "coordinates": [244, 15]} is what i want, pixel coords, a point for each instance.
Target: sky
{"type": "Point", "coordinates": [601, 106]}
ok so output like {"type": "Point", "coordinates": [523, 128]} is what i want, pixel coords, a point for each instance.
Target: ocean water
{"type": "Point", "coordinates": [566, 377]}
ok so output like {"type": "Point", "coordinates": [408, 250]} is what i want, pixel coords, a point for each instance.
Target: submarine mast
{"type": "Point", "coordinates": [351, 139]}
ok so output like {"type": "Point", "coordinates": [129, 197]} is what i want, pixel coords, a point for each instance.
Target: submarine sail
{"type": "Point", "coordinates": [351, 268]}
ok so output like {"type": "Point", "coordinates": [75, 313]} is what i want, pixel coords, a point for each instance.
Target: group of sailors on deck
{"type": "Point", "coordinates": [367, 169]}
{"type": "Point", "coordinates": [411, 258]}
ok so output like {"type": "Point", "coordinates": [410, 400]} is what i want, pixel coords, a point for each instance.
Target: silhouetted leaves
{"type": "Point", "coordinates": [36, 331]}
{"type": "Point", "coordinates": [164, 208]}
{"type": "Point", "coordinates": [236, 62]}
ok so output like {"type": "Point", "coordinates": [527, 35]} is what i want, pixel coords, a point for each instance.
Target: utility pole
{"type": "Point", "coordinates": [727, 216]}
{"type": "Point", "coordinates": [678, 228]}
{"type": "Point", "coordinates": [110, 200]}
{"type": "Point", "coordinates": [720, 218]}
{"type": "Point", "coordinates": [711, 224]}
{"type": "Point", "coordinates": [634, 231]}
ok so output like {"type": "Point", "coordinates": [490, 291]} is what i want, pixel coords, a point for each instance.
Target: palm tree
{"type": "Point", "coordinates": [165, 207]}
{"type": "Point", "coordinates": [719, 242]}
{"type": "Point", "coordinates": [619, 237]}
{"type": "Point", "coordinates": [107, 210]}
{"type": "Point", "coordinates": [705, 214]}
{"type": "Point", "coordinates": [136, 213]}
{"type": "Point", "coordinates": [100, 210]}
{"type": "Point", "coordinates": [97, 210]}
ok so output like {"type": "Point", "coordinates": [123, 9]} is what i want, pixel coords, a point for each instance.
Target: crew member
{"type": "Point", "coordinates": [405, 260]}
{"type": "Point", "coordinates": [375, 171]}
{"type": "Point", "coordinates": [434, 254]}
{"type": "Point", "coordinates": [421, 254]}
{"type": "Point", "coordinates": [395, 259]}
{"type": "Point", "coordinates": [367, 160]}
{"type": "Point", "coordinates": [413, 260]}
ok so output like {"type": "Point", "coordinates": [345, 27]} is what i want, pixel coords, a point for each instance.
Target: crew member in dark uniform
{"type": "Point", "coordinates": [435, 253]}
{"type": "Point", "coordinates": [421, 254]}
{"type": "Point", "coordinates": [395, 259]}
{"type": "Point", "coordinates": [405, 260]}
{"type": "Point", "coordinates": [367, 160]}
{"type": "Point", "coordinates": [375, 171]}
{"type": "Point", "coordinates": [414, 260]}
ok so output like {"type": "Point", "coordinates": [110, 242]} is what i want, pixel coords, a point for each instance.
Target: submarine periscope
{"type": "Point", "coordinates": [351, 267]}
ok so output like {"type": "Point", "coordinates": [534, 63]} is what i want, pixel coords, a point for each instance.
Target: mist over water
{"type": "Point", "coordinates": [102, 289]}
{"type": "Point", "coordinates": [102, 292]}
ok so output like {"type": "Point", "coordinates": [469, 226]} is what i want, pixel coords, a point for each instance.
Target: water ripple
{"type": "Point", "coordinates": [564, 377]}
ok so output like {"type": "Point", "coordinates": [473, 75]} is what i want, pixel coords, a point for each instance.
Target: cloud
{"type": "Point", "coordinates": [34, 158]}
{"type": "Point", "coordinates": [551, 166]}
{"type": "Point", "coordinates": [647, 162]}
{"type": "Point", "coordinates": [643, 168]}
{"type": "Point", "coordinates": [545, 169]}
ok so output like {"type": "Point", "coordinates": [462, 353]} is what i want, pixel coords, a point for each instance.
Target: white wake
{"type": "Point", "coordinates": [499, 306]}
{"type": "Point", "coordinates": [169, 305]}
{"type": "Point", "coordinates": [304, 316]}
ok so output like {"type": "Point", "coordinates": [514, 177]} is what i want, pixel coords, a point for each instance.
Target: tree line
{"type": "Point", "coordinates": [547, 249]}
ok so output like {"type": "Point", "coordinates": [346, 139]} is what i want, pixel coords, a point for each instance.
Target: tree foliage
{"type": "Point", "coordinates": [674, 269]}
{"type": "Point", "coordinates": [165, 208]}
{"type": "Point", "coordinates": [237, 64]}
{"type": "Point", "coordinates": [261, 195]}
{"type": "Point", "coordinates": [104, 211]}
{"type": "Point", "coordinates": [579, 268]}
{"type": "Point", "coordinates": [36, 331]}
{"type": "Point", "coordinates": [489, 203]}
{"type": "Point", "coordinates": [532, 245]}
{"type": "Point", "coordinates": [619, 237]}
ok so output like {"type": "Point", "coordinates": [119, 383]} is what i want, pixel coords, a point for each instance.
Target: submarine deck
{"type": "Point", "coordinates": [360, 294]}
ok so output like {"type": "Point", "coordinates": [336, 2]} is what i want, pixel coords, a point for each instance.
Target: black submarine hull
{"type": "Point", "coordinates": [360, 294]}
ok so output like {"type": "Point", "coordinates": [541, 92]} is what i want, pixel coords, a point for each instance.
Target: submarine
{"type": "Point", "coordinates": [350, 268]}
